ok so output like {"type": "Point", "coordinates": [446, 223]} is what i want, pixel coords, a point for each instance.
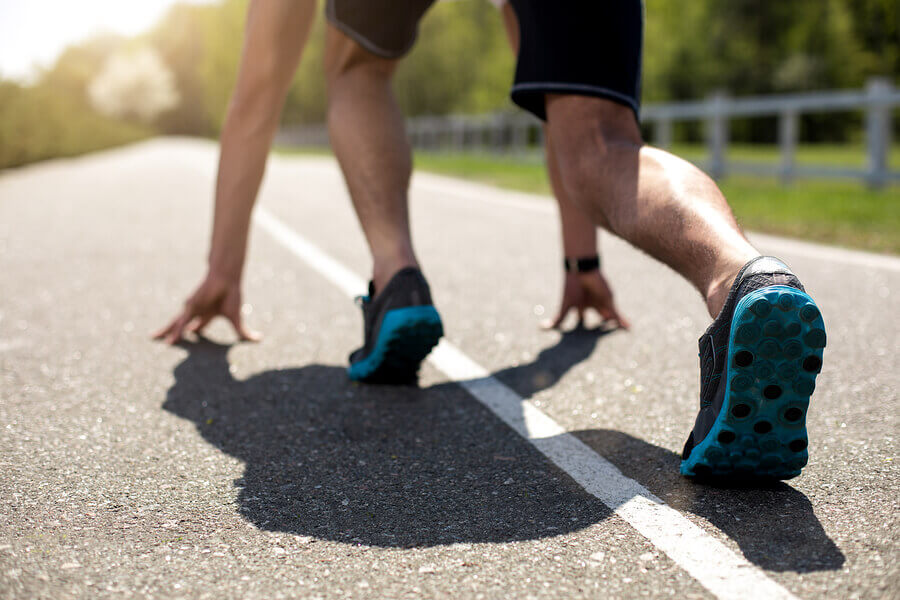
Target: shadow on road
{"type": "Point", "coordinates": [407, 467]}
{"type": "Point", "coordinates": [774, 524]}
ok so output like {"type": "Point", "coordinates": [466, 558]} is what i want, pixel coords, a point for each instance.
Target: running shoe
{"type": "Point", "coordinates": [401, 326]}
{"type": "Point", "coordinates": [758, 365]}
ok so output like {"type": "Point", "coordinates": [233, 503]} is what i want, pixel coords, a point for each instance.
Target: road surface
{"type": "Point", "coordinates": [527, 464]}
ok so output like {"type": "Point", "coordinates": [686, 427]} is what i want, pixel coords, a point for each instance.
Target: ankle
{"type": "Point", "coordinates": [717, 292]}
{"type": "Point", "coordinates": [385, 269]}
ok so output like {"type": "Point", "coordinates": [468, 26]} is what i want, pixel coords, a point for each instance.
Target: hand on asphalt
{"type": "Point", "coordinates": [215, 296]}
{"type": "Point", "coordinates": [582, 291]}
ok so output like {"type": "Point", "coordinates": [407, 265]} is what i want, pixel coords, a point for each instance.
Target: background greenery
{"type": "Point", "coordinates": [462, 65]}
{"type": "Point", "coordinates": [836, 212]}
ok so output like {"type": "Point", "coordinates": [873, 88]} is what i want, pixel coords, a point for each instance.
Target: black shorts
{"type": "Point", "coordinates": [386, 28]}
{"type": "Point", "coordinates": [584, 47]}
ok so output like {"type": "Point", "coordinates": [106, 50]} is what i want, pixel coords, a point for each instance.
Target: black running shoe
{"type": "Point", "coordinates": [758, 365]}
{"type": "Point", "coordinates": [401, 327]}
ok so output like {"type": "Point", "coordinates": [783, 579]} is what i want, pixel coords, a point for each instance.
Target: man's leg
{"type": "Point", "coordinates": [369, 140]}
{"type": "Point", "coordinates": [660, 203]}
{"type": "Point", "coordinates": [761, 354]}
{"type": "Point", "coordinates": [401, 324]}
{"type": "Point", "coordinates": [579, 235]}
{"type": "Point", "coordinates": [760, 357]}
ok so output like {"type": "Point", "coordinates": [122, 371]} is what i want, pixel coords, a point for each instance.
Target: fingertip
{"type": "Point", "coordinates": [248, 335]}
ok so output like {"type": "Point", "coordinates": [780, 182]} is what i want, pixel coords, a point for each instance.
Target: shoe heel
{"type": "Point", "coordinates": [774, 355]}
{"type": "Point", "coordinates": [407, 335]}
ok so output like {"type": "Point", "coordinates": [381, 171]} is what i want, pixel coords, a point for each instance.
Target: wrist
{"type": "Point", "coordinates": [225, 267]}
{"type": "Point", "coordinates": [582, 264]}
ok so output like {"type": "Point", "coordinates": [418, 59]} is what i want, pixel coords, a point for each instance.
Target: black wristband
{"type": "Point", "coordinates": [582, 265]}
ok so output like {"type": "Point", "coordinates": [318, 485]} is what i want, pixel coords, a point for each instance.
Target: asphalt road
{"type": "Point", "coordinates": [215, 470]}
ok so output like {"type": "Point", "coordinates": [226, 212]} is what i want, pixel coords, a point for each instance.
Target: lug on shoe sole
{"type": "Point", "coordinates": [774, 355]}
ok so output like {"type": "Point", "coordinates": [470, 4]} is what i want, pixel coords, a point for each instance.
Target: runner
{"type": "Point", "coordinates": [578, 69]}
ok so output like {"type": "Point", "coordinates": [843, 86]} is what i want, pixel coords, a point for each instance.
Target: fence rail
{"type": "Point", "coordinates": [517, 132]}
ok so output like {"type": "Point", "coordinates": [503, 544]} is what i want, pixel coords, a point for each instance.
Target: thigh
{"type": "Point", "coordinates": [386, 28]}
{"type": "Point", "coordinates": [587, 48]}
{"type": "Point", "coordinates": [344, 54]}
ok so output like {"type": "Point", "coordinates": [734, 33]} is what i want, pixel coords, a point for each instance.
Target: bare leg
{"type": "Point", "coordinates": [369, 140]}
{"type": "Point", "coordinates": [663, 205]}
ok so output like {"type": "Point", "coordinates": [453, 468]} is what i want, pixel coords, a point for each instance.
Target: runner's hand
{"type": "Point", "coordinates": [216, 296]}
{"type": "Point", "coordinates": [582, 291]}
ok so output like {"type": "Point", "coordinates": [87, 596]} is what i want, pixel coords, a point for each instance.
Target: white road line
{"type": "Point", "coordinates": [448, 186]}
{"type": "Point", "coordinates": [711, 563]}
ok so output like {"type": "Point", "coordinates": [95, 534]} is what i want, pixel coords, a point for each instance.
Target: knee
{"type": "Point", "coordinates": [586, 125]}
{"type": "Point", "coordinates": [346, 61]}
{"type": "Point", "coordinates": [590, 136]}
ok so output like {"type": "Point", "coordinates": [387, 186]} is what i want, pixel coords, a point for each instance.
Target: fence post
{"type": "Point", "coordinates": [663, 131]}
{"type": "Point", "coordinates": [717, 134]}
{"type": "Point", "coordinates": [878, 130]}
{"type": "Point", "coordinates": [519, 135]}
{"type": "Point", "coordinates": [787, 143]}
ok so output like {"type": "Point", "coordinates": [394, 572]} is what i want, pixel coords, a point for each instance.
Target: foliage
{"type": "Point", "coordinates": [462, 64]}
{"type": "Point", "coordinates": [37, 123]}
{"type": "Point", "coordinates": [133, 85]}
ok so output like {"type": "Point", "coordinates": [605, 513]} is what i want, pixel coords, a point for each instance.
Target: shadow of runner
{"type": "Point", "coordinates": [406, 467]}
{"type": "Point", "coordinates": [375, 465]}
{"type": "Point", "coordinates": [774, 525]}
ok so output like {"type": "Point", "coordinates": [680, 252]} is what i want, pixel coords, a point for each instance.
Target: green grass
{"type": "Point", "coordinates": [832, 155]}
{"type": "Point", "coordinates": [845, 213]}
{"type": "Point", "coordinates": [835, 212]}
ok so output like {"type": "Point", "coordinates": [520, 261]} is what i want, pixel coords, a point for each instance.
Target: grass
{"type": "Point", "coordinates": [844, 213]}
{"type": "Point", "coordinates": [831, 155]}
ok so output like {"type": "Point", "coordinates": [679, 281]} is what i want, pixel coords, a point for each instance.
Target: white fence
{"type": "Point", "coordinates": [518, 132]}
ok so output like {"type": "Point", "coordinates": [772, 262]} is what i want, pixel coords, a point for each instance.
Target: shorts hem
{"type": "Point", "coordinates": [549, 87]}
{"type": "Point", "coordinates": [363, 41]}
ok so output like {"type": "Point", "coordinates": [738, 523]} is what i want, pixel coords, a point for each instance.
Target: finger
{"type": "Point", "coordinates": [609, 313]}
{"type": "Point", "coordinates": [200, 323]}
{"type": "Point", "coordinates": [245, 333]}
{"type": "Point", "coordinates": [560, 317]}
{"type": "Point", "coordinates": [161, 333]}
{"type": "Point", "coordinates": [178, 327]}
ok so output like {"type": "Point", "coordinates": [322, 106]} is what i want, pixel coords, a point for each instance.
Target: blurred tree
{"type": "Point", "coordinates": [37, 123]}
{"type": "Point", "coordinates": [178, 40]}
{"type": "Point", "coordinates": [73, 71]}
{"type": "Point", "coordinates": [133, 85]}
{"type": "Point", "coordinates": [307, 96]}
{"type": "Point", "coordinates": [461, 64]}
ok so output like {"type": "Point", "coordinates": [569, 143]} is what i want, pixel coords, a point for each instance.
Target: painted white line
{"type": "Point", "coordinates": [448, 186]}
{"type": "Point", "coordinates": [711, 563]}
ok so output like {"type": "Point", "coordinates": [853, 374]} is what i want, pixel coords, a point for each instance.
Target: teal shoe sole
{"type": "Point", "coordinates": [406, 337]}
{"type": "Point", "coordinates": [774, 355]}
